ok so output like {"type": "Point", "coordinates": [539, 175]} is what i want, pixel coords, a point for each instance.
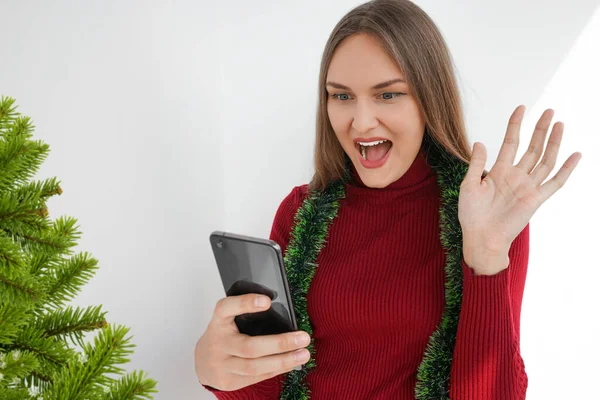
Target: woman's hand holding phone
{"type": "Point", "coordinates": [228, 360]}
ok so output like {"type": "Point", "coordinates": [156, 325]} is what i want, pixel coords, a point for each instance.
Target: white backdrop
{"type": "Point", "coordinates": [168, 120]}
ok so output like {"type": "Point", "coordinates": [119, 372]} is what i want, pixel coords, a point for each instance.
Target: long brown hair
{"type": "Point", "coordinates": [411, 38]}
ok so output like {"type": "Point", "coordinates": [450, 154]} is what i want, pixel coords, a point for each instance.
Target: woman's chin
{"type": "Point", "coordinates": [376, 183]}
{"type": "Point", "coordinates": [374, 178]}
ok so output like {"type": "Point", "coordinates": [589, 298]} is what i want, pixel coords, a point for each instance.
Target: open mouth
{"type": "Point", "coordinates": [373, 151]}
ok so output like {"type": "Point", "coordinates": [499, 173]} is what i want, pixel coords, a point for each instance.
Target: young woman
{"type": "Point", "coordinates": [415, 256]}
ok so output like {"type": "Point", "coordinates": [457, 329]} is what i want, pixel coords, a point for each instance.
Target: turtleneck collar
{"type": "Point", "coordinates": [417, 175]}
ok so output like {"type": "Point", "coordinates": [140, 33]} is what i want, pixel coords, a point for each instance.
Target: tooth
{"type": "Point", "coordinates": [373, 143]}
{"type": "Point", "coordinates": [364, 152]}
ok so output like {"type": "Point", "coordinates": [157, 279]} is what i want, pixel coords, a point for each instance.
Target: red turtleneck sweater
{"type": "Point", "coordinates": [378, 294]}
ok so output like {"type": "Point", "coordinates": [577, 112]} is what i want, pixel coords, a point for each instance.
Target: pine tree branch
{"type": "Point", "coordinates": [9, 393]}
{"type": "Point", "coordinates": [39, 263]}
{"type": "Point", "coordinates": [12, 320]}
{"type": "Point", "coordinates": [38, 191]}
{"type": "Point", "coordinates": [18, 287]}
{"type": "Point", "coordinates": [23, 214]}
{"type": "Point", "coordinates": [38, 375]}
{"type": "Point", "coordinates": [55, 352]}
{"type": "Point", "coordinates": [16, 284]}
{"type": "Point", "coordinates": [69, 278]}
{"type": "Point", "coordinates": [8, 113]}
{"type": "Point", "coordinates": [20, 157]}
{"type": "Point", "coordinates": [57, 240]}
{"type": "Point", "coordinates": [16, 364]}
{"type": "Point", "coordinates": [132, 386]}
{"type": "Point", "coordinates": [72, 323]}
{"type": "Point", "coordinates": [10, 255]}
{"type": "Point", "coordinates": [48, 356]}
{"type": "Point", "coordinates": [67, 232]}
{"type": "Point", "coordinates": [109, 350]}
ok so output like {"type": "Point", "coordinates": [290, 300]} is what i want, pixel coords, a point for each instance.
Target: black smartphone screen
{"type": "Point", "coordinates": [254, 265]}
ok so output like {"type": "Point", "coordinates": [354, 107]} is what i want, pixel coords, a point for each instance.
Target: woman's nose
{"type": "Point", "coordinates": [365, 117]}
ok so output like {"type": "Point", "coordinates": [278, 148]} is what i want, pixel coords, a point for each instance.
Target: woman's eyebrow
{"type": "Point", "coordinates": [378, 86]}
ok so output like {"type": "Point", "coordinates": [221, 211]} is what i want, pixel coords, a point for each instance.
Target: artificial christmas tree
{"type": "Point", "coordinates": [43, 354]}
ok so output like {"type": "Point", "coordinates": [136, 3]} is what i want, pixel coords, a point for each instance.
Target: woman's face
{"type": "Point", "coordinates": [367, 100]}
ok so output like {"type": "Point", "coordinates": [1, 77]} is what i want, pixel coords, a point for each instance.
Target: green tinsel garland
{"type": "Point", "coordinates": [308, 237]}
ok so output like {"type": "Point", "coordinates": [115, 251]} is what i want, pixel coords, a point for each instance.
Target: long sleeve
{"type": "Point", "coordinates": [270, 389]}
{"type": "Point", "coordinates": [487, 363]}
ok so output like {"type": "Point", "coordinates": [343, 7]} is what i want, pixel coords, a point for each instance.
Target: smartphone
{"type": "Point", "coordinates": [254, 265]}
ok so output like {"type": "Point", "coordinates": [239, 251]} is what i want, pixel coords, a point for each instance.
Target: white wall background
{"type": "Point", "coordinates": [168, 120]}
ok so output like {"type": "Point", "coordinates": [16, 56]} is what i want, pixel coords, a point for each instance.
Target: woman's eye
{"type": "Point", "coordinates": [389, 95]}
{"type": "Point", "coordinates": [340, 96]}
